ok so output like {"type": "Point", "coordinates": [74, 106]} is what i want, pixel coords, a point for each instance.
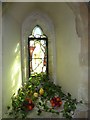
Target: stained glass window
{"type": "Point", "coordinates": [38, 52]}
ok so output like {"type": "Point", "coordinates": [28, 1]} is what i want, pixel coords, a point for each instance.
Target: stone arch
{"type": "Point", "coordinates": [41, 19]}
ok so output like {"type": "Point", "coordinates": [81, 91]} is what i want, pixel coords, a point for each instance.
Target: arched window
{"type": "Point", "coordinates": [30, 26]}
{"type": "Point", "coordinates": [38, 51]}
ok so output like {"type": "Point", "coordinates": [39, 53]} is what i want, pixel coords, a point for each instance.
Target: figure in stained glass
{"type": "Point", "coordinates": [38, 55]}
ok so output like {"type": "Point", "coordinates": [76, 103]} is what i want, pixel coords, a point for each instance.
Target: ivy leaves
{"type": "Point", "coordinates": [69, 107]}
{"type": "Point", "coordinates": [33, 85]}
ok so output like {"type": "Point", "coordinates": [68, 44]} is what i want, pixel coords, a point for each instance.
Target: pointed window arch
{"type": "Point", "coordinates": [41, 19]}
{"type": "Point", "coordinates": [38, 51]}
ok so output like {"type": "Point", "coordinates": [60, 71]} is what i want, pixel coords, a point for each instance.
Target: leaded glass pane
{"type": "Point", "coordinates": [37, 31]}
{"type": "Point", "coordinates": [37, 52]}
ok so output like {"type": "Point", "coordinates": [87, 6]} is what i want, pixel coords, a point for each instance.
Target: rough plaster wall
{"type": "Point", "coordinates": [80, 11]}
{"type": "Point", "coordinates": [68, 49]}
{"type": "Point", "coordinates": [70, 71]}
{"type": "Point", "coordinates": [11, 70]}
{"type": "Point", "coordinates": [0, 60]}
{"type": "Point", "coordinates": [72, 46]}
{"type": "Point", "coordinates": [88, 51]}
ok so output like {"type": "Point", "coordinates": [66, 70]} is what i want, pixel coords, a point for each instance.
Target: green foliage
{"type": "Point", "coordinates": [20, 105]}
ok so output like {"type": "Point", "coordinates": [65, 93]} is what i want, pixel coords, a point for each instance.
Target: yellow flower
{"type": "Point", "coordinates": [41, 91]}
{"type": "Point", "coordinates": [35, 94]}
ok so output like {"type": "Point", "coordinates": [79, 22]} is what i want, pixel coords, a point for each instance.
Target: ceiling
{"type": "Point", "coordinates": [21, 10]}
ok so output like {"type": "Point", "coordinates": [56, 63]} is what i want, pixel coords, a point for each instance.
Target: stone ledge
{"type": "Point", "coordinates": [80, 112]}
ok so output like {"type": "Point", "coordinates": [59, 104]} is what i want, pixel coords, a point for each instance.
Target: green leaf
{"type": "Point", "coordinates": [57, 113]}
{"type": "Point", "coordinates": [40, 103]}
{"type": "Point", "coordinates": [50, 90]}
{"type": "Point", "coordinates": [69, 96]}
{"type": "Point", "coordinates": [39, 112]}
{"type": "Point", "coordinates": [24, 115]}
{"type": "Point", "coordinates": [10, 113]}
{"type": "Point", "coordinates": [80, 101]}
{"type": "Point", "coordinates": [8, 107]}
{"type": "Point", "coordinates": [45, 95]}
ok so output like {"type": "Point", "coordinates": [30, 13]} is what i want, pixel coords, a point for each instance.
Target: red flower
{"type": "Point", "coordinates": [28, 104]}
{"type": "Point", "coordinates": [56, 102]}
{"type": "Point", "coordinates": [30, 107]}
{"type": "Point", "coordinates": [58, 99]}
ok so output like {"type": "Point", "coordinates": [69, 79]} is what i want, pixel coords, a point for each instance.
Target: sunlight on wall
{"type": "Point", "coordinates": [17, 47]}
{"type": "Point", "coordinates": [16, 70]}
{"type": "Point", "coordinates": [25, 70]}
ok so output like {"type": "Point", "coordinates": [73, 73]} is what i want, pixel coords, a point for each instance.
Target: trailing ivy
{"type": "Point", "coordinates": [37, 92]}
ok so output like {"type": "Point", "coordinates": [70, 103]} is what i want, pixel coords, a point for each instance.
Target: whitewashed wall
{"type": "Point", "coordinates": [11, 71]}
{"type": "Point", "coordinates": [0, 60]}
{"type": "Point", "coordinates": [70, 72]}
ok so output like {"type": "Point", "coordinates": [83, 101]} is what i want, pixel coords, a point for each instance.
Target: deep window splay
{"type": "Point", "coordinates": [38, 52]}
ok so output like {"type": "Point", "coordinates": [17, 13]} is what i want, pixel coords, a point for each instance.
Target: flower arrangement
{"type": "Point", "coordinates": [36, 92]}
